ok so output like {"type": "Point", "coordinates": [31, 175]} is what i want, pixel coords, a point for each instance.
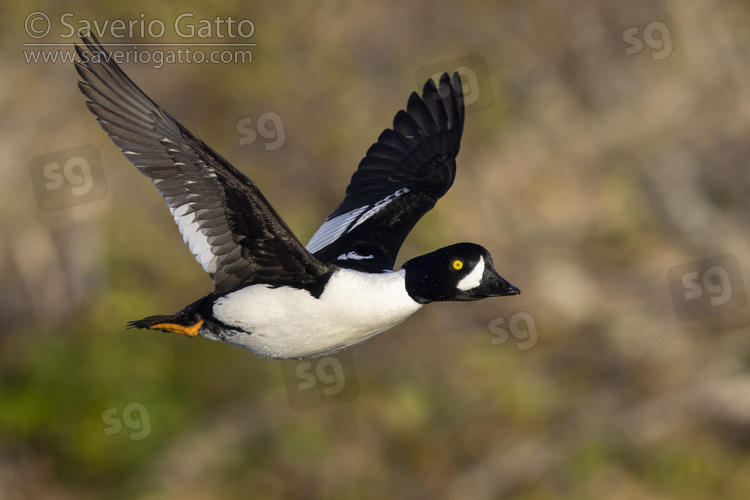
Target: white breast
{"type": "Point", "coordinates": [290, 323]}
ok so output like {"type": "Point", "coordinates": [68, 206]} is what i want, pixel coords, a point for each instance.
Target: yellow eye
{"type": "Point", "coordinates": [457, 264]}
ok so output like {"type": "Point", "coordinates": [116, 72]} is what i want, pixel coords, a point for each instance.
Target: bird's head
{"type": "Point", "coordinates": [463, 271]}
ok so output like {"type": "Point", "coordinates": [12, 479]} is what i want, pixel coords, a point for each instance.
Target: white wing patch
{"type": "Point", "coordinates": [192, 235]}
{"type": "Point", "coordinates": [380, 206]}
{"type": "Point", "coordinates": [331, 230]}
{"type": "Point", "coordinates": [353, 256]}
{"type": "Point", "coordinates": [474, 278]}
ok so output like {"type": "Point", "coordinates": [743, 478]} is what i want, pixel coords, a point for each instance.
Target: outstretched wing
{"type": "Point", "coordinates": [399, 180]}
{"type": "Point", "coordinates": [229, 226]}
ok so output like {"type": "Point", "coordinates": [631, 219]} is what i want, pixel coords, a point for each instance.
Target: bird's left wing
{"type": "Point", "coordinates": [231, 229]}
{"type": "Point", "coordinates": [400, 179]}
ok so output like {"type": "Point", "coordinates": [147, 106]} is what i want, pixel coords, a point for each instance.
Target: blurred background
{"type": "Point", "coordinates": [604, 164]}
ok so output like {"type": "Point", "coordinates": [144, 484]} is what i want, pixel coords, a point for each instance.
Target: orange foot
{"type": "Point", "coordinates": [189, 331]}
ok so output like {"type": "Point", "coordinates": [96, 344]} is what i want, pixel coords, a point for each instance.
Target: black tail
{"type": "Point", "coordinates": [161, 319]}
{"type": "Point", "coordinates": [188, 322]}
{"type": "Point", "coordinates": [183, 324]}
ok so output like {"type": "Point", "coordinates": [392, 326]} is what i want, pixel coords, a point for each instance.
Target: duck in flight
{"type": "Point", "coordinates": [272, 295]}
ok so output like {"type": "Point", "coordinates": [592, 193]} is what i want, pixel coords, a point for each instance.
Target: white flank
{"type": "Point", "coordinates": [288, 323]}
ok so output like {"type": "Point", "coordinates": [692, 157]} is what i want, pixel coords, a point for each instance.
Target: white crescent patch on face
{"type": "Point", "coordinates": [474, 278]}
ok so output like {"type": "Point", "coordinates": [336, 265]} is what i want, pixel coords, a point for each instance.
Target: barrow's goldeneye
{"type": "Point", "coordinates": [272, 295]}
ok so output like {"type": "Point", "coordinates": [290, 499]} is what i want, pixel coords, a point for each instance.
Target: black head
{"type": "Point", "coordinates": [463, 271]}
